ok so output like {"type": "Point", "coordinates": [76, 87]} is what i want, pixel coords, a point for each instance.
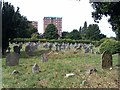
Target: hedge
{"type": "Point", "coordinates": [18, 40]}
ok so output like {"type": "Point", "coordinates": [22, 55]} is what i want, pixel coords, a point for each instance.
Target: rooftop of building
{"type": "Point", "coordinates": [52, 17]}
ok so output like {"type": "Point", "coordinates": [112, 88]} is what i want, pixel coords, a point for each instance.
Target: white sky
{"type": "Point", "coordinates": [73, 12]}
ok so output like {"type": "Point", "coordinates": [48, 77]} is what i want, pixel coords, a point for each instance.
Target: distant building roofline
{"type": "Point", "coordinates": [52, 17]}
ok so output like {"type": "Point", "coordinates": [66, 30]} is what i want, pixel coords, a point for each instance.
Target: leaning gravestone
{"type": "Point", "coordinates": [106, 60]}
{"type": "Point", "coordinates": [12, 59]}
{"type": "Point", "coordinates": [87, 50]}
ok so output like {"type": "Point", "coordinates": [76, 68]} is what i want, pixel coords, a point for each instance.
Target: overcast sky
{"type": "Point", "coordinates": [73, 13]}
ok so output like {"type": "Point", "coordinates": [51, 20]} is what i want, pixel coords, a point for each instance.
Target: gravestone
{"type": "Point", "coordinates": [20, 46]}
{"type": "Point", "coordinates": [16, 49]}
{"type": "Point", "coordinates": [28, 50]}
{"type": "Point", "coordinates": [75, 45]}
{"type": "Point", "coordinates": [12, 59]}
{"type": "Point", "coordinates": [79, 47]}
{"type": "Point", "coordinates": [45, 45]}
{"type": "Point", "coordinates": [44, 57]}
{"type": "Point", "coordinates": [87, 50]}
{"type": "Point", "coordinates": [84, 46]}
{"type": "Point", "coordinates": [64, 46]}
{"type": "Point", "coordinates": [35, 68]}
{"type": "Point", "coordinates": [60, 45]}
{"type": "Point", "coordinates": [91, 70]}
{"type": "Point", "coordinates": [92, 51]}
{"type": "Point", "coordinates": [56, 47]}
{"type": "Point", "coordinates": [90, 46]}
{"type": "Point", "coordinates": [68, 46]}
{"type": "Point", "coordinates": [50, 46]}
{"type": "Point", "coordinates": [106, 60]}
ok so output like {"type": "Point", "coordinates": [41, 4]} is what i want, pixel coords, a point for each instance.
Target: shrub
{"type": "Point", "coordinates": [53, 40]}
{"type": "Point", "coordinates": [101, 41]}
{"type": "Point", "coordinates": [110, 45]}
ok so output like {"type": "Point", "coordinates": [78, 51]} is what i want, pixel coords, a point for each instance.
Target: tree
{"type": "Point", "coordinates": [65, 35]}
{"type": "Point", "coordinates": [111, 9]}
{"type": "Point", "coordinates": [51, 32]}
{"type": "Point", "coordinates": [75, 35]}
{"type": "Point", "coordinates": [14, 25]}
{"type": "Point", "coordinates": [80, 29]}
{"type": "Point", "coordinates": [83, 30]}
{"type": "Point", "coordinates": [8, 30]}
{"type": "Point", "coordinates": [93, 32]}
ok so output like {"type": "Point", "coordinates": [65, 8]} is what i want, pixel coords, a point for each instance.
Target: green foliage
{"type": "Point", "coordinates": [35, 35]}
{"type": "Point", "coordinates": [65, 35]}
{"type": "Point", "coordinates": [110, 45]}
{"type": "Point", "coordinates": [14, 25]}
{"type": "Point", "coordinates": [74, 35]}
{"type": "Point", "coordinates": [52, 40]}
{"type": "Point", "coordinates": [51, 32]}
{"type": "Point", "coordinates": [93, 33]}
{"type": "Point", "coordinates": [102, 40]}
{"type": "Point", "coordinates": [111, 9]}
{"type": "Point", "coordinates": [83, 31]}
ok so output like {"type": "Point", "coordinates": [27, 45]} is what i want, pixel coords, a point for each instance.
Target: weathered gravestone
{"type": "Point", "coordinates": [68, 46]}
{"type": "Point", "coordinates": [44, 57]}
{"type": "Point", "coordinates": [50, 46]}
{"type": "Point", "coordinates": [60, 45]}
{"type": "Point", "coordinates": [64, 46]}
{"type": "Point", "coordinates": [106, 60]}
{"type": "Point", "coordinates": [28, 50]}
{"type": "Point", "coordinates": [87, 50]}
{"type": "Point", "coordinates": [75, 45]}
{"type": "Point", "coordinates": [79, 47]}
{"type": "Point", "coordinates": [45, 45]}
{"type": "Point", "coordinates": [12, 59]}
{"type": "Point", "coordinates": [56, 47]}
{"type": "Point", "coordinates": [16, 49]}
{"type": "Point", "coordinates": [91, 70]}
{"type": "Point", "coordinates": [35, 68]}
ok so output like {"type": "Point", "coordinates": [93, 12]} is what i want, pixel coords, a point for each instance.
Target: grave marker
{"type": "Point", "coordinates": [44, 57]}
{"type": "Point", "coordinates": [12, 59]}
{"type": "Point", "coordinates": [106, 60]}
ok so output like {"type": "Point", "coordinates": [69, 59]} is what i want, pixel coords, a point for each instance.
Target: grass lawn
{"type": "Point", "coordinates": [53, 72]}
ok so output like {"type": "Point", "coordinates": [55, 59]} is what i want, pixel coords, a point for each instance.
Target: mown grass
{"type": "Point", "coordinates": [52, 73]}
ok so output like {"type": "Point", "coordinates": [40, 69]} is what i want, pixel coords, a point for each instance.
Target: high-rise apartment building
{"type": "Point", "coordinates": [57, 21]}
